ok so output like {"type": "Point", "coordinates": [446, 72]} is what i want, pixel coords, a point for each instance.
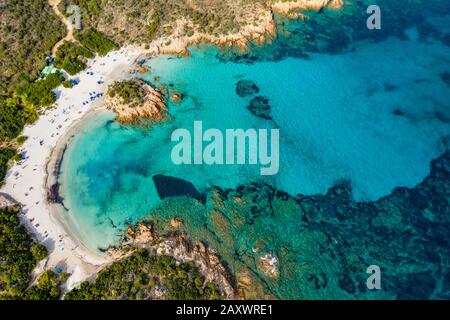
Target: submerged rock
{"type": "Point", "coordinates": [167, 186]}
{"type": "Point", "coordinates": [176, 97]}
{"type": "Point", "coordinates": [246, 88]}
{"type": "Point", "coordinates": [445, 77]}
{"type": "Point", "coordinates": [176, 223]}
{"type": "Point", "coordinates": [398, 112]}
{"type": "Point", "coordinates": [446, 39]}
{"type": "Point", "coordinates": [268, 265]}
{"type": "Point", "coordinates": [260, 107]}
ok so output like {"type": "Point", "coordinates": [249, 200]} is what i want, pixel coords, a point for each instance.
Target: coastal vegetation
{"type": "Point", "coordinates": [6, 154]}
{"type": "Point", "coordinates": [40, 93]}
{"type": "Point", "coordinates": [153, 26]}
{"type": "Point", "coordinates": [69, 57]}
{"type": "Point", "coordinates": [13, 117]}
{"type": "Point", "coordinates": [144, 275]}
{"type": "Point", "coordinates": [22, 108]}
{"type": "Point", "coordinates": [130, 91]}
{"type": "Point", "coordinates": [47, 287]}
{"type": "Point", "coordinates": [19, 255]}
{"type": "Point", "coordinates": [28, 31]}
{"type": "Point", "coordinates": [124, 21]}
{"type": "Point", "coordinates": [67, 84]}
{"type": "Point", "coordinates": [96, 41]}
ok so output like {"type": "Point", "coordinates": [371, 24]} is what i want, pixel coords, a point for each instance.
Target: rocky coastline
{"type": "Point", "coordinates": [287, 8]}
{"type": "Point", "coordinates": [242, 41]}
{"type": "Point", "coordinates": [178, 245]}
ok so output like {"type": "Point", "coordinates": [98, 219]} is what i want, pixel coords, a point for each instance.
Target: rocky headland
{"type": "Point", "coordinates": [179, 246]}
{"type": "Point", "coordinates": [135, 100]}
{"type": "Point", "coordinates": [249, 34]}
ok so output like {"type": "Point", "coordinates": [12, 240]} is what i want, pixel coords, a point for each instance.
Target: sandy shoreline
{"type": "Point", "coordinates": [28, 181]}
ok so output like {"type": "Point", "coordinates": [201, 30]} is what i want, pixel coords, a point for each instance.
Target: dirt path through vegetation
{"type": "Point", "coordinates": [69, 37]}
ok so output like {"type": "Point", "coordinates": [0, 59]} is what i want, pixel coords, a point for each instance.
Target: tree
{"type": "Point", "coordinates": [47, 287]}
{"type": "Point", "coordinates": [39, 251]}
{"type": "Point", "coordinates": [6, 154]}
{"type": "Point", "coordinates": [96, 41]}
{"type": "Point", "coordinates": [17, 260]}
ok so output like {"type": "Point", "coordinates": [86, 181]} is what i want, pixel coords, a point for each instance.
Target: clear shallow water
{"type": "Point", "coordinates": [338, 117]}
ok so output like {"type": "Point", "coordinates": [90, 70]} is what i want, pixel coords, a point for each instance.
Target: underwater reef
{"type": "Point", "coordinates": [246, 88]}
{"type": "Point", "coordinates": [320, 246]}
{"type": "Point", "coordinates": [260, 107]}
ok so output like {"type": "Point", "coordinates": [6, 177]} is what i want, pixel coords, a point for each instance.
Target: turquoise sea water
{"type": "Point", "coordinates": [374, 116]}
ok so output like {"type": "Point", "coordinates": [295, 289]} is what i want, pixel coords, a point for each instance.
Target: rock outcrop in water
{"type": "Point", "coordinates": [445, 76]}
{"type": "Point", "coordinates": [260, 107]}
{"type": "Point", "coordinates": [144, 233]}
{"type": "Point", "coordinates": [246, 88]}
{"type": "Point", "coordinates": [135, 100]}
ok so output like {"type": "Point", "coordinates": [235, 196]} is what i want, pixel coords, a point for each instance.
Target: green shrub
{"type": "Point", "coordinates": [47, 288]}
{"type": "Point", "coordinates": [13, 117]}
{"type": "Point", "coordinates": [21, 139]}
{"type": "Point", "coordinates": [129, 91]}
{"type": "Point", "coordinates": [39, 251]}
{"type": "Point", "coordinates": [17, 260]}
{"type": "Point", "coordinates": [96, 41]}
{"type": "Point", "coordinates": [69, 55]}
{"type": "Point", "coordinates": [68, 84]}
{"type": "Point", "coordinates": [6, 154]}
{"type": "Point", "coordinates": [126, 279]}
{"type": "Point", "coordinates": [40, 93]}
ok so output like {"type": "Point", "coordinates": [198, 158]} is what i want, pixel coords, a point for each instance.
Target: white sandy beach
{"type": "Point", "coordinates": [26, 181]}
